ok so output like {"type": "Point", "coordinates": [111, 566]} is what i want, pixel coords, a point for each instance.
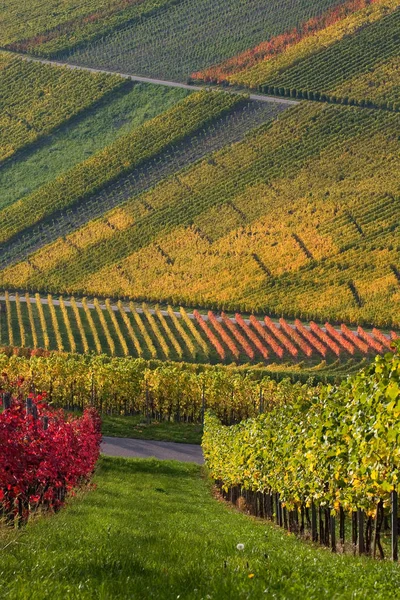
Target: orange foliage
{"type": "Point", "coordinates": [278, 44]}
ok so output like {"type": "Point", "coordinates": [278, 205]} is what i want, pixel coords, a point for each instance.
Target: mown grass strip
{"type": "Point", "coordinates": [159, 533]}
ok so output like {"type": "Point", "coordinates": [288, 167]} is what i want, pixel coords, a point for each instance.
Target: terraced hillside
{"type": "Point", "coordinates": [110, 188]}
{"type": "Point", "coordinates": [249, 229]}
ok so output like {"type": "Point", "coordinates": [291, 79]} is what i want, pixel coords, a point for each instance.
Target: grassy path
{"type": "Point", "coordinates": [153, 530]}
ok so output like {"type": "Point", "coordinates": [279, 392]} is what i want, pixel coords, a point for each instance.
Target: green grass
{"type": "Point", "coordinates": [152, 529]}
{"type": "Point", "coordinates": [74, 142]}
{"type": "Point", "coordinates": [165, 431]}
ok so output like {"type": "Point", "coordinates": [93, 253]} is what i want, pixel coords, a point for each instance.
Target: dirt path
{"type": "Point", "coordinates": [173, 84]}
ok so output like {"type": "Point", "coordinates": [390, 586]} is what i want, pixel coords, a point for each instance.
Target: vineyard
{"type": "Point", "coordinates": [80, 137]}
{"type": "Point", "coordinates": [348, 54]}
{"type": "Point", "coordinates": [36, 98]}
{"type": "Point", "coordinates": [199, 234]}
{"type": "Point", "coordinates": [223, 130]}
{"type": "Point", "coordinates": [126, 329]}
{"type": "Point", "coordinates": [153, 45]}
{"type": "Point", "coordinates": [244, 229]}
{"type": "Point", "coordinates": [334, 453]}
{"type": "Point", "coordinates": [374, 47]}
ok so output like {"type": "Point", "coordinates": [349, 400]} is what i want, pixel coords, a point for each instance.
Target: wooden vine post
{"type": "Point", "coordinates": [203, 402]}
{"type": "Point", "coordinates": [395, 506]}
{"type": "Point", "coordinates": [361, 540]}
{"type": "Point", "coordinates": [333, 533]}
{"type": "Point", "coordinates": [314, 530]}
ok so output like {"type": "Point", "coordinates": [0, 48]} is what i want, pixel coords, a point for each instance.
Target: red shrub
{"type": "Point", "coordinates": [40, 464]}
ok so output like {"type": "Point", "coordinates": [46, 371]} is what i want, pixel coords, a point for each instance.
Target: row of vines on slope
{"type": "Point", "coordinates": [120, 157]}
{"type": "Point", "coordinates": [127, 330]}
{"type": "Point", "coordinates": [348, 54]}
{"type": "Point", "coordinates": [299, 42]}
{"type": "Point", "coordinates": [334, 449]}
{"type": "Point", "coordinates": [37, 98]}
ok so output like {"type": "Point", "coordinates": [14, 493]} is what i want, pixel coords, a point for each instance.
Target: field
{"type": "Point", "coordinates": [152, 45]}
{"type": "Point", "coordinates": [53, 26]}
{"type": "Point", "coordinates": [348, 54]}
{"type": "Point", "coordinates": [80, 137]}
{"type": "Point", "coordinates": [200, 242]}
{"type": "Point", "coordinates": [198, 143]}
{"type": "Point", "coordinates": [37, 98]}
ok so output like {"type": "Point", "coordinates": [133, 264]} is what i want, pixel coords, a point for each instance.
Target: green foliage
{"type": "Point", "coordinates": [120, 157]}
{"type": "Point", "coordinates": [166, 390]}
{"type": "Point", "coordinates": [37, 98]}
{"type": "Point", "coordinates": [334, 445]}
{"type": "Point", "coordinates": [78, 139]}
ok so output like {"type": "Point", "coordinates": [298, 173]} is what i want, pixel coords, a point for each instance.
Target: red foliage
{"type": "Point", "coordinates": [252, 336]}
{"type": "Point", "coordinates": [356, 341]}
{"type": "Point", "coordinates": [268, 338]}
{"type": "Point", "coordinates": [40, 465]}
{"type": "Point", "coordinates": [211, 337]}
{"type": "Point", "coordinates": [310, 337]}
{"type": "Point", "coordinates": [240, 338]}
{"type": "Point", "coordinates": [281, 337]}
{"type": "Point", "coordinates": [382, 338]}
{"type": "Point", "coordinates": [339, 338]}
{"type": "Point", "coordinates": [325, 338]}
{"type": "Point", "coordinates": [224, 335]}
{"type": "Point", "coordinates": [296, 337]}
{"type": "Point", "coordinates": [370, 340]}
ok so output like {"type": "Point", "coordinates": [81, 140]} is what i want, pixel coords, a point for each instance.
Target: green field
{"type": "Point", "coordinates": [159, 533]}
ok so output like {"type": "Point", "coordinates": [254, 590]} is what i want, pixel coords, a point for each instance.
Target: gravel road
{"type": "Point", "coordinates": [130, 448]}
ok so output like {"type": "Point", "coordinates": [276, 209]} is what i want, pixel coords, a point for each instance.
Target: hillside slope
{"type": "Point", "coordinates": [301, 219]}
